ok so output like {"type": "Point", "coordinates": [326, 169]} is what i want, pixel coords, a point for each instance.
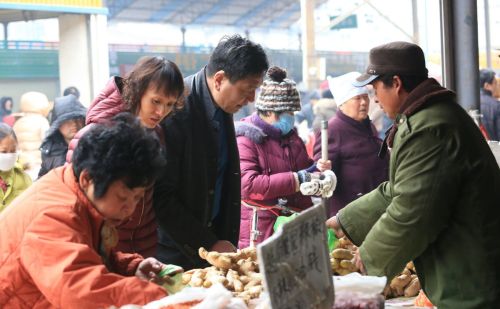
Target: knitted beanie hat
{"type": "Point", "coordinates": [278, 93]}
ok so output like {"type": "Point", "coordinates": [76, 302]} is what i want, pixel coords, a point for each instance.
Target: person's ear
{"type": "Point", "coordinates": [219, 76]}
{"type": "Point", "coordinates": [397, 83]}
{"type": "Point", "coordinates": [84, 180]}
{"type": "Point", "coordinates": [488, 86]}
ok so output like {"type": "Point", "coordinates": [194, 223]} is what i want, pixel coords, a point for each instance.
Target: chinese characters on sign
{"type": "Point", "coordinates": [296, 265]}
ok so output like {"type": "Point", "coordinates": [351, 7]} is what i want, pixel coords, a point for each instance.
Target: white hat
{"type": "Point", "coordinates": [343, 89]}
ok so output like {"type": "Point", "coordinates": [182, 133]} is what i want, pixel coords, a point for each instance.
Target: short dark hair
{"type": "Point", "coordinates": [72, 90]}
{"type": "Point", "coordinates": [238, 57]}
{"type": "Point", "coordinates": [410, 82]}
{"type": "Point", "coordinates": [486, 76]}
{"type": "Point", "coordinates": [6, 130]}
{"type": "Point", "coordinates": [149, 71]}
{"type": "Point", "coordinates": [120, 149]}
{"type": "Point", "coordinates": [326, 94]}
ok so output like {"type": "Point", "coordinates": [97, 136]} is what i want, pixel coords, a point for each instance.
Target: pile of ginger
{"type": "Point", "coordinates": [236, 271]}
{"type": "Point", "coordinates": [404, 284]}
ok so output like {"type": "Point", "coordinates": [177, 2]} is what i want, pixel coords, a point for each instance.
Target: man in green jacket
{"type": "Point", "coordinates": [441, 205]}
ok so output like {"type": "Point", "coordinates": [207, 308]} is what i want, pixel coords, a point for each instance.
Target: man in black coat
{"type": "Point", "coordinates": [197, 199]}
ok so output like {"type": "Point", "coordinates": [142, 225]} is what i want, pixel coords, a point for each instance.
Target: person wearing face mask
{"type": "Point", "coordinates": [272, 155]}
{"type": "Point", "coordinates": [13, 180]}
{"type": "Point", "coordinates": [353, 144]}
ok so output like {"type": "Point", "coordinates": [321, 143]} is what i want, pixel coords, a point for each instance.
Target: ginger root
{"type": "Point", "coordinates": [215, 258]}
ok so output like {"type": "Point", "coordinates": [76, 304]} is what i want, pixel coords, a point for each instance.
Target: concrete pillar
{"type": "Point", "coordinates": [459, 50]}
{"type": "Point", "coordinates": [83, 54]}
{"type": "Point", "coordinates": [309, 62]}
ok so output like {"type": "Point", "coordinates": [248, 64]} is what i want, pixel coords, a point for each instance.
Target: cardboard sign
{"type": "Point", "coordinates": [296, 265]}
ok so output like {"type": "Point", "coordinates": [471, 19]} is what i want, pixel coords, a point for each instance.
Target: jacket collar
{"type": "Point", "coordinates": [70, 180]}
{"type": "Point", "coordinates": [486, 92]}
{"type": "Point", "coordinates": [424, 95]}
{"type": "Point", "coordinates": [266, 128]}
{"type": "Point", "coordinates": [203, 92]}
{"type": "Point", "coordinates": [362, 125]}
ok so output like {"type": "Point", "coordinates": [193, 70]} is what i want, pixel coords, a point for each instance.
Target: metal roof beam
{"type": "Point", "coordinates": [285, 15]}
{"type": "Point", "coordinates": [240, 22]}
{"type": "Point", "coordinates": [210, 13]}
{"type": "Point", "coordinates": [116, 6]}
{"type": "Point", "coordinates": [166, 11]}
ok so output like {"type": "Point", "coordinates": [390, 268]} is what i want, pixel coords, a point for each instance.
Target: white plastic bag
{"type": "Point", "coordinates": [357, 291]}
{"type": "Point", "coordinates": [216, 297]}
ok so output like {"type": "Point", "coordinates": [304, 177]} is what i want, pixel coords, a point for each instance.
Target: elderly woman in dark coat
{"type": "Point", "coordinates": [353, 144]}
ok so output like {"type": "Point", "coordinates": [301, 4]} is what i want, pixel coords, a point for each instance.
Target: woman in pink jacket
{"type": "Point", "coordinates": [271, 154]}
{"type": "Point", "coordinates": [152, 90]}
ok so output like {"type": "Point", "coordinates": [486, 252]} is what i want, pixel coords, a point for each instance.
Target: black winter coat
{"type": "Point", "coordinates": [54, 149]}
{"type": "Point", "coordinates": [184, 193]}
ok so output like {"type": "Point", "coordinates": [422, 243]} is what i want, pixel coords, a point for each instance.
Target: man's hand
{"type": "Point", "coordinates": [148, 270]}
{"type": "Point", "coordinates": [333, 224]}
{"type": "Point", "coordinates": [223, 246]}
{"type": "Point", "coordinates": [323, 165]}
{"type": "Point", "coordinates": [359, 263]}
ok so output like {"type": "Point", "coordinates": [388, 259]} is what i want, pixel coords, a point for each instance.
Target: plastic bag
{"type": "Point", "coordinates": [215, 297]}
{"type": "Point", "coordinates": [331, 238]}
{"type": "Point", "coordinates": [357, 291]}
{"type": "Point", "coordinates": [282, 220]}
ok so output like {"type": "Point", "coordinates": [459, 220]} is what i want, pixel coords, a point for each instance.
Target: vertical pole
{"type": "Point", "coordinates": [487, 33]}
{"type": "Point", "coordinates": [324, 155]}
{"type": "Point", "coordinates": [308, 59]}
{"type": "Point", "coordinates": [447, 44]}
{"type": "Point", "coordinates": [416, 32]}
{"type": "Point", "coordinates": [183, 46]}
{"type": "Point", "coordinates": [5, 35]}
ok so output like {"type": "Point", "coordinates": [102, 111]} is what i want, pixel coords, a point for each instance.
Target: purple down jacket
{"type": "Point", "coordinates": [267, 162]}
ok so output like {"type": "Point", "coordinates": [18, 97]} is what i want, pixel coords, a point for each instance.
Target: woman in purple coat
{"type": "Point", "coordinates": [353, 144]}
{"type": "Point", "coordinates": [271, 154]}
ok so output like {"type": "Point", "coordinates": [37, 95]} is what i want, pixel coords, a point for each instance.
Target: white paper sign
{"type": "Point", "coordinates": [296, 264]}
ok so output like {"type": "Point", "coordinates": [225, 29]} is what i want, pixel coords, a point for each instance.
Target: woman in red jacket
{"type": "Point", "coordinates": [152, 90]}
{"type": "Point", "coordinates": [57, 237]}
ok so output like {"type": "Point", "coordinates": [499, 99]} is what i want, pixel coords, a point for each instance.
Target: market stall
{"type": "Point", "coordinates": [292, 269]}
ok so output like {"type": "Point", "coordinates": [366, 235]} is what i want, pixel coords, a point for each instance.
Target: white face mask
{"type": "Point", "coordinates": [7, 161]}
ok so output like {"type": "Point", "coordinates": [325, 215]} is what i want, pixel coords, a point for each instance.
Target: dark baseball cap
{"type": "Point", "coordinates": [394, 58]}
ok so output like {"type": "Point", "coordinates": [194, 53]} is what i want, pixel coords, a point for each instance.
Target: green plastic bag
{"type": "Point", "coordinates": [331, 238]}
{"type": "Point", "coordinates": [282, 220]}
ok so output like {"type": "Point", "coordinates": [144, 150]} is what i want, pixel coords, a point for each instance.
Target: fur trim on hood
{"type": "Point", "coordinates": [249, 130]}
